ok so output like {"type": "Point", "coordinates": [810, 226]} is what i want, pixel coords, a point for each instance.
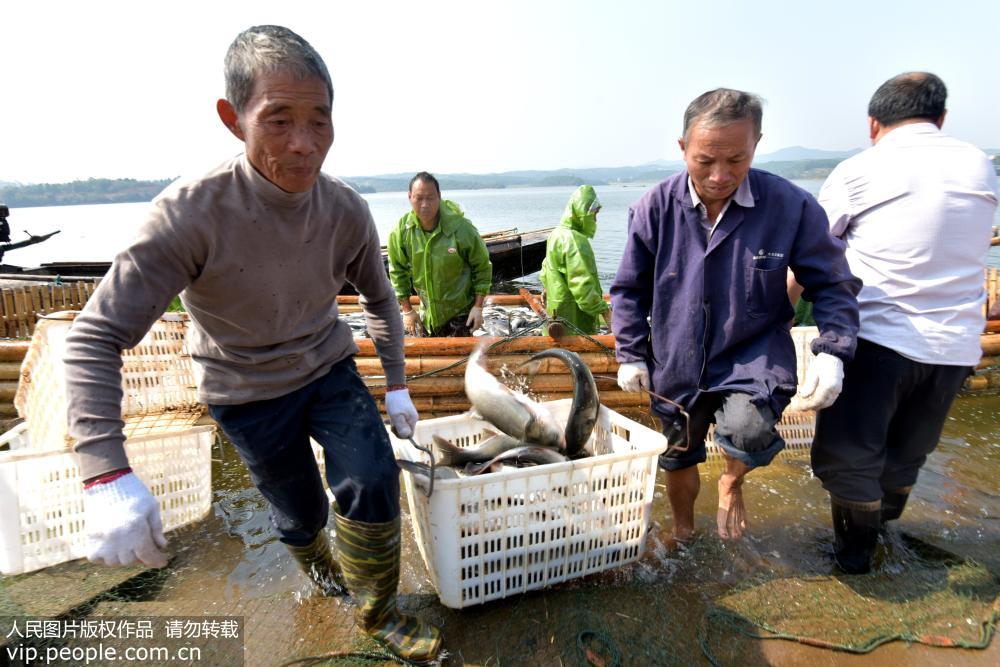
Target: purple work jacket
{"type": "Point", "coordinates": [719, 311]}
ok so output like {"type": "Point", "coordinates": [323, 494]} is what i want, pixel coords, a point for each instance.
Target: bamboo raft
{"type": "Point", "coordinates": [434, 366]}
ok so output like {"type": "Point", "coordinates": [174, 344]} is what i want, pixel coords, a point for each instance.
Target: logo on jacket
{"type": "Point", "coordinates": [767, 260]}
{"type": "Point", "coordinates": [452, 250]}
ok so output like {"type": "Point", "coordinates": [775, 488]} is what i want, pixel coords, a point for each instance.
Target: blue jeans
{"type": "Point", "coordinates": [743, 430]}
{"type": "Point", "coordinates": [272, 438]}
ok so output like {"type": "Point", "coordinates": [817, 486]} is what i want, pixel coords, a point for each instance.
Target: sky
{"type": "Point", "coordinates": [109, 89]}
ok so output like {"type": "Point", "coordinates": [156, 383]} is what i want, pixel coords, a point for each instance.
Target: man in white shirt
{"type": "Point", "coordinates": [916, 210]}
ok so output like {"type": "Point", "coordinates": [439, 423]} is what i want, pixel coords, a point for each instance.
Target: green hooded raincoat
{"type": "Point", "coordinates": [569, 271]}
{"type": "Point", "coordinates": [447, 267]}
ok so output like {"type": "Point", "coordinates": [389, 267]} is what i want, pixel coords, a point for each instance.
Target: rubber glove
{"type": "Point", "coordinates": [122, 522]}
{"type": "Point", "coordinates": [412, 323]}
{"type": "Point", "coordinates": [824, 380]}
{"type": "Point", "coordinates": [475, 320]}
{"type": "Point", "coordinates": [402, 415]}
{"type": "Point", "coordinates": [633, 376]}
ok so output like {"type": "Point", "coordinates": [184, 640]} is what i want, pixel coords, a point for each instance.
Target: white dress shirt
{"type": "Point", "coordinates": [916, 211]}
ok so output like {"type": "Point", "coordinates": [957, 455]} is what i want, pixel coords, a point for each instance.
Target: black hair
{"type": "Point", "coordinates": [426, 177]}
{"type": "Point", "coordinates": [909, 95]}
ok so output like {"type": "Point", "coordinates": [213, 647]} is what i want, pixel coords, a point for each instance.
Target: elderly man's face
{"type": "Point", "coordinates": [426, 203]}
{"type": "Point", "coordinates": [287, 128]}
{"type": "Point", "coordinates": [718, 158]}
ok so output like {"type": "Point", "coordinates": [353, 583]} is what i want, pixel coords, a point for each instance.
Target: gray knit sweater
{"type": "Point", "coordinates": [258, 270]}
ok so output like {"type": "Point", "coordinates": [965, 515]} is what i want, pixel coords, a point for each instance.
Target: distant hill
{"type": "Point", "coordinates": [90, 191]}
{"type": "Point", "coordinates": [793, 153]}
{"type": "Point", "coordinates": [800, 169]}
{"type": "Point", "coordinates": [794, 162]}
{"type": "Point", "coordinates": [647, 173]}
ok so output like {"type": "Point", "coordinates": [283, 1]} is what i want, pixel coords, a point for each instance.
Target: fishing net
{"type": "Point", "coordinates": [938, 599]}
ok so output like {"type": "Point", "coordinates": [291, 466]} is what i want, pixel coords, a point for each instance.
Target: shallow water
{"type": "Point", "coordinates": [650, 612]}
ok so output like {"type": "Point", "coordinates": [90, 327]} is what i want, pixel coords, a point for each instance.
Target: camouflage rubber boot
{"type": "Point", "coordinates": [855, 534]}
{"type": "Point", "coordinates": [369, 554]}
{"type": "Point", "coordinates": [317, 561]}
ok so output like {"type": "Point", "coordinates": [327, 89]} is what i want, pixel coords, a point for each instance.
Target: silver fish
{"type": "Point", "coordinates": [422, 473]}
{"type": "Point", "coordinates": [510, 411]}
{"type": "Point", "coordinates": [521, 456]}
{"type": "Point", "coordinates": [449, 454]}
{"type": "Point", "coordinates": [586, 400]}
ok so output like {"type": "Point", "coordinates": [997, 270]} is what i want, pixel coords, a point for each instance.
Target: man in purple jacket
{"type": "Point", "coordinates": [701, 312]}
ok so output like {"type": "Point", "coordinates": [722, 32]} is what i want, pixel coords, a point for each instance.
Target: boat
{"type": "Point", "coordinates": [514, 254]}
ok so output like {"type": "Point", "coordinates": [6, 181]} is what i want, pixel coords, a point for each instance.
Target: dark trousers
{"type": "Point", "coordinates": [886, 421]}
{"type": "Point", "coordinates": [272, 437]}
{"type": "Point", "coordinates": [455, 327]}
{"type": "Point", "coordinates": [743, 430]}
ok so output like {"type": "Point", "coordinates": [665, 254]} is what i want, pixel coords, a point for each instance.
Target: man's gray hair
{"type": "Point", "coordinates": [723, 106]}
{"type": "Point", "coordinates": [264, 49]}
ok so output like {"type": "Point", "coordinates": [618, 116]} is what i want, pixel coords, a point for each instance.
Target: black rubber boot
{"type": "Point", "coordinates": [317, 561]}
{"type": "Point", "coordinates": [855, 534]}
{"type": "Point", "coordinates": [369, 553]}
{"type": "Point", "coordinates": [893, 503]}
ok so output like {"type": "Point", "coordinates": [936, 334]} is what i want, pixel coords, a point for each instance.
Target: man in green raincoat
{"type": "Point", "coordinates": [569, 272]}
{"type": "Point", "coordinates": [437, 253]}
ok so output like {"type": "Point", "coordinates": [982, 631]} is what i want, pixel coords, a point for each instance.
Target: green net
{"type": "Point", "coordinates": [938, 600]}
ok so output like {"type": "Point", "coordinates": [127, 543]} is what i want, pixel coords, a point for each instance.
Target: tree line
{"type": "Point", "coordinates": [123, 190]}
{"type": "Point", "coordinates": [90, 191]}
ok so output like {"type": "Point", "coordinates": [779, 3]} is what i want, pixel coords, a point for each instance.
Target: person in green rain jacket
{"type": "Point", "coordinates": [437, 253]}
{"type": "Point", "coordinates": [569, 272]}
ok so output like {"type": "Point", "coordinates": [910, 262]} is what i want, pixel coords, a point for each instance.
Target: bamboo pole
{"type": "Point", "coordinates": [491, 300]}
{"type": "Point", "coordinates": [465, 346]}
{"type": "Point", "coordinates": [14, 350]}
{"type": "Point", "coordinates": [7, 390]}
{"type": "Point", "coordinates": [598, 362]}
{"type": "Point", "coordinates": [982, 382]}
{"type": "Point", "coordinates": [988, 362]}
{"type": "Point", "coordinates": [991, 344]}
{"type": "Point", "coordinates": [429, 348]}
{"type": "Point", "coordinates": [444, 386]}
{"type": "Point", "coordinates": [10, 370]}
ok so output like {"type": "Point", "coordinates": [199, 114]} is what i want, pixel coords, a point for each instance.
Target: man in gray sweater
{"type": "Point", "coordinates": [258, 249]}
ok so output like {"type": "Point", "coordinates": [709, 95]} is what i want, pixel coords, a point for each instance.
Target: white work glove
{"type": "Point", "coordinates": [402, 415]}
{"type": "Point", "coordinates": [824, 380]}
{"type": "Point", "coordinates": [633, 376]}
{"type": "Point", "coordinates": [475, 320]}
{"type": "Point", "coordinates": [122, 521]}
{"type": "Point", "coordinates": [412, 323]}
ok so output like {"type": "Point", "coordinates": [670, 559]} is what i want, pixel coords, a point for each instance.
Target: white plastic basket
{"type": "Point", "coordinates": [158, 385]}
{"type": "Point", "coordinates": [498, 534]}
{"type": "Point", "coordinates": [41, 494]}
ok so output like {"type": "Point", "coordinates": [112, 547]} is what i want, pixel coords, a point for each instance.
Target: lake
{"type": "Point", "coordinates": [99, 232]}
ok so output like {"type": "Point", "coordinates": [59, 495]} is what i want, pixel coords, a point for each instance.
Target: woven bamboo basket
{"type": "Point", "coordinates": [158, 384]}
